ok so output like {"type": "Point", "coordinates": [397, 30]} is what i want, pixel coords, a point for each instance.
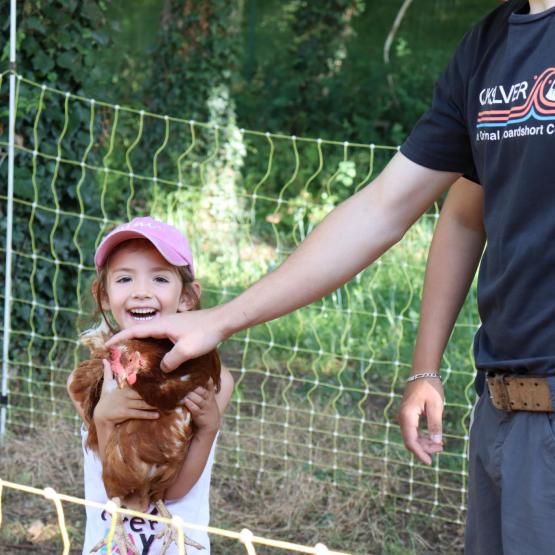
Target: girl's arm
{"type": "Point", "coordinates": [206, 408]}
{"type": "Point", "coordinates": [117, 405]}
{"type": "Point", "coordinates": [454, 255]}
{"type": "Point", "coordinates": [114, 406]}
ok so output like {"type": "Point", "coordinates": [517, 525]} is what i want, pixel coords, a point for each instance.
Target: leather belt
{"type": "Point", "coordinates": [529, 393]}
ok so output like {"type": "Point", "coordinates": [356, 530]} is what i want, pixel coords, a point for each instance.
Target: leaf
{"type": "Point", "coordinates": [92, 12]}
{"type": "Point", "coordinates": [67, 60]}
{"type": "Point", "coordinates": [42, 62]}
{"type": "Point", "coordinates": [36, 24]}
{"type": "Point", "coordinates": [70, 4]}
{"type": "Point", "coordinates": [101, 38]}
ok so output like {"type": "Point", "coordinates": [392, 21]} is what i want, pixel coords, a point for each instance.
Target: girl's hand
{"type": "Point", "coordinates": [204, 409]}
{"type": "Point", "coordinates": [118, 405]}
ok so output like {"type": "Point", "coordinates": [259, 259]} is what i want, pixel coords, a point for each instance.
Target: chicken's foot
{"type": "Point", "coordinates": [170, 533]}
{"type": "Point", "coordinates": [124, 545]}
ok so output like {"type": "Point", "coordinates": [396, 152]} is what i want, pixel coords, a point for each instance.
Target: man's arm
{"type": "Point", "coordinates": [352, 236]}
{"type": "Point", "coordinates": [456, 249]}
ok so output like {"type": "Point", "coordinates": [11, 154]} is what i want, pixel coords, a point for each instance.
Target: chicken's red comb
{"type": "Point", "coordinates": [115, 360]}
{"type": "Point", "coordinates": [115, 353]}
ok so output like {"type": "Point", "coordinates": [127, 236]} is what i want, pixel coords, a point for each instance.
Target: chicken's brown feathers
{"type": "Point", "coordinates": [85, 387]}
{"type": "Point", "coordinates": [166, 390]}
{"type": "Point", "coordinates": [142, 458]}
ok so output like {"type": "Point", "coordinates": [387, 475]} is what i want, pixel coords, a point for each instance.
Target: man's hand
{"type": "Point", "coordinates": [423, 397]}
{"type": "Point", "coordinates": [192, 333]}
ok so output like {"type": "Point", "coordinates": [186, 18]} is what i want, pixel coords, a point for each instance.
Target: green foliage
{"type": "Point", "coordinates": [57, 41]}
{"type": "Point", "coordinates": [316, 68]}
{"type": "Point", "coordinates": [196, 50]}
{"type": "Point", "coordinates": [297, 86]}
{"type": "Point", "coordinates": [308, 68]}
{"type": "Point", "coordinates": [68, 44]}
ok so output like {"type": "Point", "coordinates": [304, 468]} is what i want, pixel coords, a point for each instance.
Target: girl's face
{"type": "Point", "coordinates": [141, 285]}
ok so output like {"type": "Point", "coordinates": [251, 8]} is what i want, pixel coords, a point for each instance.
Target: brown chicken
{"type": "Point", "coordinates": [142, 458]}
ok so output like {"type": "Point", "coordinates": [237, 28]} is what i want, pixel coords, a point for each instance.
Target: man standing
{"type": "Point", "coordinates": [493, 119]}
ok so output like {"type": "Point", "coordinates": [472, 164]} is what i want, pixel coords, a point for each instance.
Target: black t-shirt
{"type": "Point", "coordinates": [493, 117]}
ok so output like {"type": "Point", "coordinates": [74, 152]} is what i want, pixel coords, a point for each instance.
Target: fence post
{"type": "Point", "coordinates": [9, 226]}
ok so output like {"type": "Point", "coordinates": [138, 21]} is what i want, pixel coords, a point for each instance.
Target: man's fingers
{"type": "Point", "coordinates": [140, 331]}
{"type": "Point", "coordinates": [434, 414]}
{"type": "Point", "coordinates": [409, 421]}
{"type": "Point", "coordinates": [174, 358]}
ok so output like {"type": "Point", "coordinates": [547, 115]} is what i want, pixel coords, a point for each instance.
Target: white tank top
{"type": "Point", "coordinates": [193, 508]}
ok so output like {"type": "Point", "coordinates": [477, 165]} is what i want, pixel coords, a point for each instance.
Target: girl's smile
{"type": "Point", "coordinates": [141, 285]}
{"type": "Point", "coordinates": [143, 314]}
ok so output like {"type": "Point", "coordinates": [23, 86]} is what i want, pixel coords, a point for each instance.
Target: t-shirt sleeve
{"type": "Point", "coordinates": [440, 139]}
{"type": "Point", "coordinates": [472, 176]}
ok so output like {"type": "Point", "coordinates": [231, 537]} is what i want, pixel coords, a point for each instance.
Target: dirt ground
{"type": "Point", "coordinates": [303, 510]}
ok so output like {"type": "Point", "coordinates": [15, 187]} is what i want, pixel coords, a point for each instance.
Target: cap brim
{"type": "Point", "coordinates": [169, 254]}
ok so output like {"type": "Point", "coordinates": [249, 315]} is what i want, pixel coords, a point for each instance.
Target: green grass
{"type": "Point", "coordinates": [319, 390]}
{"type": "Point", "coordinates": [299, 509]}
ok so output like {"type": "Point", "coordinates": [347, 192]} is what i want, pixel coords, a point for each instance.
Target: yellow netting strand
{"type": "Point", "coordinates": [113, 510]}
{"type": "Point", "coordinates": [246, 539]}
{"type": "Point", "coordinates": [187, 121]}
{"type": "Point", "coordinates": [316, 390]}
{"type": "Point", "coordinates": [178, 523]}
{"type": "Point", "coordinates": [49, 493]}
{"type": "Point", "coordinates": [245, 536]}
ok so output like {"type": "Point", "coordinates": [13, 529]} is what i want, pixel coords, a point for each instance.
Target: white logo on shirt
{"type": "Point", "coordinates": [550, 94]}
{"type": "Point", "coordinates": [498, 94]}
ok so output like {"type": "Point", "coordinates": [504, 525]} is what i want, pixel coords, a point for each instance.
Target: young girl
{"type": "Point", "coordinates": [145, 271]}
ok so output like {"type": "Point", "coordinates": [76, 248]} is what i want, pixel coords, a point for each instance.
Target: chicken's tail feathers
{"type": "Point", "coordinates": [216, 369]}
{"type": "Point", "coordinates": [85, 386]}
{"type": "Point", "coordinates": [95, 338]}
{"type": "Point", "coordinates": [92, 438]}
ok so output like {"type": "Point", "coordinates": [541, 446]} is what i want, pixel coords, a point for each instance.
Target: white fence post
{"type": "Point", "coordinates": [9, 226]}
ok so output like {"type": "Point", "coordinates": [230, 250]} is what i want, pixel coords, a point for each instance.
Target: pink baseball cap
{"type": "Point", "coordinates": [167, 240]}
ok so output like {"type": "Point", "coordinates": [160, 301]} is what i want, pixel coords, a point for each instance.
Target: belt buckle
{"type": "Point", "coordinates": [504, 400]}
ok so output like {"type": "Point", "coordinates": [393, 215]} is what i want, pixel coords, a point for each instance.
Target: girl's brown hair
{"type": "Point", "coordinates": [99, 285]}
